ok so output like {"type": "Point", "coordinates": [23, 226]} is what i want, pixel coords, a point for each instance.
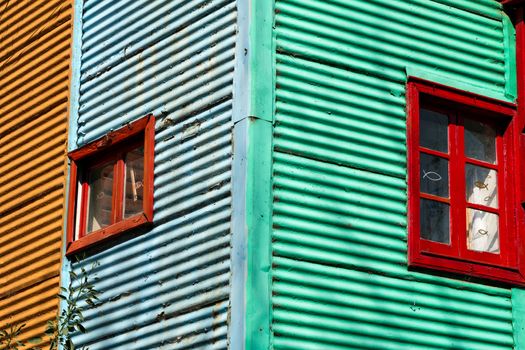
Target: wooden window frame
{"type": "Point", "coordinates": [508, 265]}
{"type": "Point", "coordinates": [111, 147]}
{"type": "Point", "coordinates": [512, 2]}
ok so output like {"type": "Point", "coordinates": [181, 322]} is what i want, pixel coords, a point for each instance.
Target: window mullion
{"type": "Point", "coordinates": [503, 209]}
{"type": "Point", "coordinates": [118, 189]}
{"type": "Point", "coordinates": [460, 188]}
{"type": "Point", "coordinates": [454, 183]}
{"type": "Point", "coordinates": [84, 195]}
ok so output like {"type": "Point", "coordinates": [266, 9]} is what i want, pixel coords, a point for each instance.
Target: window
{"type": "Point", "coordinates": [111, 188]}
{"type": "Point", "coordinates": [462, 184]}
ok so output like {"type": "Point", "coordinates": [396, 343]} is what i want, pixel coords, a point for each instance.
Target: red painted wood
{"type": "Point", "coordinates": [516, 10]}
{"type": "Point", "coordinates": [434, 153]}
{"type": "Point", "coordinates": [149, 163]}
{"type": "Point", "coordinates": [111, 139]}
{"type": "Point", "coordinates": [512, 2]}
{"type": "Point", "coordinates": [72, 196]}
{"type": "Point", "coordinates": [520, 70]}
{"type": "Point", "coordinates": [455, 96]}
{"type": "Point", "coordinates": [106, 233]}
{"type": "Point", "coordinates": [457, 176]}
{"type": "Point", "coordinates": [84, 203]}
{"type": "Point", "coordinates": [118, 188]}
{"type": "Point", "coordinates": [519, 21]}
{"type": "Point", "coordinates": [112, 147]}
{"type": "Point", "coordinates": [434, 198]}
{"type": "Point", "coordinates": [456, 257]}
{"type": "Point", "coordinates": [481, 163]}
{"type": "Point", "coordinates": [414, 249]}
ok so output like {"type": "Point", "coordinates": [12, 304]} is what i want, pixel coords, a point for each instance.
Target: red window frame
{"type": "Point", "coordinates": [512, 2]}
{"type": "Point", "coordinates": [507, 266]}
{"type": "Point", "coordinates": [111, 147]}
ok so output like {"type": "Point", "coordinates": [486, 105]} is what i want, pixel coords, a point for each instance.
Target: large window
{"type": "Point", "coordinates": [111, 189]}
{"type": "Point", "coordinates": [462, 203]}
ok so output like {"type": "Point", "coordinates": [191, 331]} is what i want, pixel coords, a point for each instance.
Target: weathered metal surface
{"type": "Point", "coordinates": [166, 56]}
{"type": "Point", "coordinates": [340, 277]}
{"type": "Point", "coordinates": [167, 287]}
{"type": "Point", "coordinates": [35, 40]}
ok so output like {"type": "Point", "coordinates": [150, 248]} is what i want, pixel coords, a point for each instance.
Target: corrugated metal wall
{"type": "Point", "coordinates": [167, 288]}
{"type": "Point", "coordinates": [35, 40]}
{"type": "Point", "coordinates": [340, 276]}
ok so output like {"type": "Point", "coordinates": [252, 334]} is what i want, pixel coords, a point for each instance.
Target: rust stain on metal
{"type": "Point", "coordinates": [35, 55]}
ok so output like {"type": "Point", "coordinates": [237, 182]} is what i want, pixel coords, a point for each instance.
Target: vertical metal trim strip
{"type": "Point", "coordinates": [258, 220]}
{"type": "Point", "coordinates": [240, 107]}
{"type": "Point", "coordinates": [75, 75]}
{"type": "Point", "coordinates": [259, 174]}
{"type": "Point", "coordinates": [262, 59]}
{"type": "Point", "coordinates": [509, 47]}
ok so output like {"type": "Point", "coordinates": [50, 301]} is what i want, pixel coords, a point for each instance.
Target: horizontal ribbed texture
{"type": "Point", "coordinates": [345, 62]}
{"type": "Point", "coordinates": [35, 39]}
{"type": "Point", "coordinates": [348, 113]}
{"type": "Point", "coordinates": [167, 287]}
{"type": "Point", "coordinates": [340, 277]}
{"type": "Point", "coordinates": [179, 64]}
{"type": "Point", "coordinates": [488, 8]}
{"type": "Point", "coordinates": [328, 307]}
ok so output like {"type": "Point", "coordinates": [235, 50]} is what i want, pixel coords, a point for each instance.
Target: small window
{"type": "Point", "coordinates": [462, 202]}
{"type": "Point", "coordinates": [111, 189]}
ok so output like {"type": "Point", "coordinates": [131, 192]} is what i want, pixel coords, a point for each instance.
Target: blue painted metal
{"type": "Point", "coordinates": [241, 93]}
{"type": "Point", "coordinates": [168, 287]}
{"type": "Point", "coordinates": [176, 59]}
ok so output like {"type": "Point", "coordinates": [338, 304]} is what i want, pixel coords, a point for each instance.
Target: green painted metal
{"type": "Point", "coordinates": [262, 67]}
{"type": "Point", "coordinates": [518, 315]}
{"type": "Point", "coordinates": [258, 214]}
{"type": "Point", "coordinates": [488, 8]}
{"type": "Point", "coordinates": [259, 170]}
{"type": "Point", "coordinates": [339, 255]}
{"type": "Point", "coordinates": [509, 42]}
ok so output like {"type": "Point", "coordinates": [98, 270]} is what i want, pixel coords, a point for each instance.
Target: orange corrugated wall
{"type": "Point", "coordinates": [35, 64]}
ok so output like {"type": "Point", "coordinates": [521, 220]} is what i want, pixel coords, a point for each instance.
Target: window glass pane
{"type": "Point", "coordinates": [482, 231]}
{"type": "Point", "coordinates": [434, 221]}
{"type": "Point", "coordinates": [433, 130]}
{"type": "Point", "coordinates": [480, 141]}
{"type": "Point", "coordinates": [434, 175]}
{"type": "Point", "coordinates": [100, 197]}
{"type": "Point", "coordinates": [134, 183]}
{"type": "Point", "coordinates": [481, 185]}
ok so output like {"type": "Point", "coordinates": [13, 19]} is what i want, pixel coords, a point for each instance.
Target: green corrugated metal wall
{"type": "Point", "coordinates": [340, 278]}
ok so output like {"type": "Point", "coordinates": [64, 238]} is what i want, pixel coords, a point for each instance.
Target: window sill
{"type": "Point", "coordinates": [102, 235]}
{"type": "Point", "coordinates": [506, 275]}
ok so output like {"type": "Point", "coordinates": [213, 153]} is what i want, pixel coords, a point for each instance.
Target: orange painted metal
{"type": "Point", "coordinates": [35, 64]}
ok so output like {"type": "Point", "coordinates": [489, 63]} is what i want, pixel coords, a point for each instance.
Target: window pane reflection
{"type": "Point", "coordinates": [134, 183]}
{"type": "Point", "coordinates": [100, 197]}
{"type": "Point", "coordinates": [433, 130]}
{"type": "Point", "coordinates": [482, 231]}
{"type": "Point", "coordinates": [480, 141]}
{"type": "Point", "coordinates": [434, 221]}
{"type": "Point", "coordinates": [482, 185]}
{"type": "Point", "coordinates": [434, 175]}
